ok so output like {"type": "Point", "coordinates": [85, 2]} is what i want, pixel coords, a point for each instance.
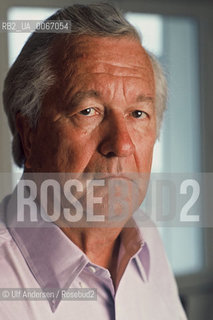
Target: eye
{"type": "Point", "coordinates": [88, 112]}
{"type": "Point", "coordinates": [139, 114]}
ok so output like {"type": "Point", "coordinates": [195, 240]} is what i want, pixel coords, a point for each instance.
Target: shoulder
{"type": "Point", "coordinates": [5, 236]}
{"type": "Point", "coordinates": [9, 252]}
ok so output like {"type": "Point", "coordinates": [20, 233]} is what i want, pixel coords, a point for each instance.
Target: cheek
{"type": "Point", "coordinates": [67, 150]}
{"type": "Point", "coordinates": [144, 152]}
{"type": "Point", "coordinates": [146, 155]}
{"type": "Point", "coordinates": [44, 148]}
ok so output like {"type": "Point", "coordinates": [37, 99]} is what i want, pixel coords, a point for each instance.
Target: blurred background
{"type": "Point", "coordinates": [180, 34]}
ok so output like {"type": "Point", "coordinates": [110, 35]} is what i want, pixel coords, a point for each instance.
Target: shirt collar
{"type": "Point", "coordinates": [134, 244]}
{"type": "Point", "coordinates": [55, 261]}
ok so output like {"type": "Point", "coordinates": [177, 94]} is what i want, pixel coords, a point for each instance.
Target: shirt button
{"type": "Point", "coordinates": [92, 269]}
{"type": "Point", "coordinates": [82, 285]}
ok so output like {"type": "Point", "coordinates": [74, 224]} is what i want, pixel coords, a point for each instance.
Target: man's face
{"type": "Point", "coordinates": [100, 116]}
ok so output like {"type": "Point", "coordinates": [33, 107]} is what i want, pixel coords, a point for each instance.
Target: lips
{"type": "Point", "coordinates": [109, 176]}
{"type": "Point", "coordinates": [117, 177]}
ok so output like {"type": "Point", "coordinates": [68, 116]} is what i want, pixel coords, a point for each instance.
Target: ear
{"type": "Point", "coordinates": [26, 135]}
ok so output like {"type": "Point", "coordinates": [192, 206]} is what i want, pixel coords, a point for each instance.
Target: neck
{"type": "Point", "coordinates": [101, 245]}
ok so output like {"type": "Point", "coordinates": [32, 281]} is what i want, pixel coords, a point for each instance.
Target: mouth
{"type": "Point", "coordinates": [112, 176]}
{"type": "Point", "coordinates": [117, 177]}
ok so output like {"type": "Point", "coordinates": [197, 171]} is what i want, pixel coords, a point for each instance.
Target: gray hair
{"type": "Point", "coordinates": [32, 74]}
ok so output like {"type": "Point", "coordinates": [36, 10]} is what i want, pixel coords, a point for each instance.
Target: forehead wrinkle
{"type": "Point", "coordinates": [114, 75]}
{"type": "Point", "coordinates": [74, 94]}
{"type": "Point", "coordinates": [81, 53]}
{"type": "Point", "coordinates": [74, 77]}
{"type": "Point", "coordinates": [92, 92]}
{"type": "Point", "coordinates": [142, 98]}
{"type": "Point", "coordinates": [114, 69]}
{"type": "Point", "coordinates": [124, 91]}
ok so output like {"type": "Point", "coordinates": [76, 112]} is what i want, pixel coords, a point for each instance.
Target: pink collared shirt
{"type": "Point", "coordinates": [42, 256]}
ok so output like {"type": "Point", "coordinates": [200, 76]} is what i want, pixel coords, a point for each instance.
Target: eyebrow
{"type": "Point", "coordinates": [81, 95]}
{"type": "Point", "coordinates": [143, 98]}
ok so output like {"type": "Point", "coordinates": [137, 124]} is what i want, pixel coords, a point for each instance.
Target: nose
{"type": "Point", "coordinates": [116, 141]}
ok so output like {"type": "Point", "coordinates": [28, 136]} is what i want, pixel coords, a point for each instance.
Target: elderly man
{"type": "Point", "coordinates": [87, 103]}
